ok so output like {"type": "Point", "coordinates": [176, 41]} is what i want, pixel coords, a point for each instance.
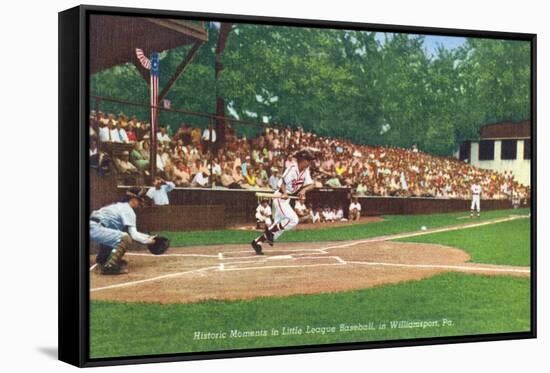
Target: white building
{"type": "Point", "coordinates": [504, 146]}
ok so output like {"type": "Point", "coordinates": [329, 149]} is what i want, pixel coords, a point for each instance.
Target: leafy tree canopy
{"type": "Point", "coordinates": [352, 84]}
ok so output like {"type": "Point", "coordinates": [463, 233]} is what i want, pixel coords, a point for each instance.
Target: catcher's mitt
{"type": "Point", "coordinates": [160, 246]}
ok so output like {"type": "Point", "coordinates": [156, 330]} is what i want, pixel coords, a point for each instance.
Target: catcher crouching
{"type": "Point", "coordinates": [114, 228]}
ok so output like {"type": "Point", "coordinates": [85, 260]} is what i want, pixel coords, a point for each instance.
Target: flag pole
{"type": "Point", "coordinates": [155, 74]}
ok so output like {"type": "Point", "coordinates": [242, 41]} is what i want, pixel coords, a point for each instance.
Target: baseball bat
{"type": "Point", "coordinates": [272, 195]}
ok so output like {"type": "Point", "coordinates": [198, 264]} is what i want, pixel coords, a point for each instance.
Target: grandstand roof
{"type": "Point", "coordinates": [113, 39]}
{"type": "Point", "coordinates": [506, 130]}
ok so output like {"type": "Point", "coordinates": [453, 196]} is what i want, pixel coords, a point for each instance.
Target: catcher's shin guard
{"type": "Point", "coordinates": [103, 254]}
{"type": "Point", "coordinates": [117, 253]}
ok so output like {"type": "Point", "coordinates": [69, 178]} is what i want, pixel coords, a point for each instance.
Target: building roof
{"type": "Point", "coordinates": [506, 130]}
{"type": "Point", "coordinates": [114, 39]}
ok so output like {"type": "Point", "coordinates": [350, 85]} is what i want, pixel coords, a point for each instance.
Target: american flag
{"type": "Point", "coordinates": [145, 62]}
{"type": "Point", "coordinates": [152, 64]}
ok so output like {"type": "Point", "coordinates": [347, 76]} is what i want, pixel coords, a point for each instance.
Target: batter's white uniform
{"type": "Point", "coordinates": [263, 214]}
{"type": "Point", "coordinates": [476, 193]}
{"type": "Point", "coordinates": [283, 212]}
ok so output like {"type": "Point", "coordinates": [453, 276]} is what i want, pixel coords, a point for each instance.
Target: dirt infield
{"type": "Point", "coordinates": [230, 272]}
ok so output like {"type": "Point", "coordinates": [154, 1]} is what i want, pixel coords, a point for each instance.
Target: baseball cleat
{"type": "Point", "coordinates": [114, 270]}
{"type": "Point", "coordinates": [257, 247]}
{"type": "Point", "coordinates": [268, 236]}
{"type": "Point", "coordinates": [123, 266]}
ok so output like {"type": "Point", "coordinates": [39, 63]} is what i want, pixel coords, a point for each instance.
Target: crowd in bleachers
{"type": "Point", "coordinates": [195, 157]}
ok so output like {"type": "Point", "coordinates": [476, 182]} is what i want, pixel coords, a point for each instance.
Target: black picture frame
{"type": "Point", "coordinates": [74, 185]}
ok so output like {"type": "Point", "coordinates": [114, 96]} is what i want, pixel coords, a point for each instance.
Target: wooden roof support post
{"type": "Point", "coordinates": [225, 29]}
{"type": "Point", "coordinates": [181, 68]}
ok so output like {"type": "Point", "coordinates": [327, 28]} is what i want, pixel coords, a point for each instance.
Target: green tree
{"type": "Point", "coordinates": [350, 84]}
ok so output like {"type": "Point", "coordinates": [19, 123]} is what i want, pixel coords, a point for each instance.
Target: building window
{"type": "Point", "coordinates": [509, 149]}
{"type": "Point", "coordinates": [464, 152]}
{"type": "Point", "coordinates": [527, 149]}
{"type": "Point", "coordinates": [486, 150]}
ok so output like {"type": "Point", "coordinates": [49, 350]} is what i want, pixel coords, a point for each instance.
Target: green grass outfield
{"type": "Point", "coordinates": [503, 243]}
{"type": "Point", "coordinates": [392, 224]}
{"type": "Point", "coordinates": [475, 304]}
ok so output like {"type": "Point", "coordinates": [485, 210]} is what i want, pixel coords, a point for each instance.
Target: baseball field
{"type": "Point", "coordinates": [397, 277]}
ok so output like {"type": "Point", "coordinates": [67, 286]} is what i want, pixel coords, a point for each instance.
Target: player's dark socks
{"type": "Point", "coordinates": [269, 237]}
{"type": "Point", "coordinates": [260, 239]}
{"type": "Point", "coordinates": [276, 228]}
{"type": "Point", "coordinates": [268, 234]}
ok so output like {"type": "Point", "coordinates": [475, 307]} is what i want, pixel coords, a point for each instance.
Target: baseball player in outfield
{"type": "Point", "coordinates": [476, 195]}
{"type": "Point", "coordinates": [296, 180]}
{"type": "Point", "coordinates": [114, 228]}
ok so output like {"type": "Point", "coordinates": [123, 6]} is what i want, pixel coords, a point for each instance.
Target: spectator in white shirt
{"type": "Point", "coordinates": [315, 216]}
{"type": "Point", "coordinates": [113, 133]}
{"type": "Point", "coordinates": [216, 168]}
{"type": "Point", "coordinates": [200, 180]}
{"type": "Point", "coordinates": [119, 134]}
{"type": "Point", "coordinates": [274, 179]}
{"type": "Point", "coordinates": [354, 209]}
{"type": "Point", "coordinates": [93, 148]}
{"type": "Point", "coordinates": [162, 136]}
{"type": "Point", "coordinates": [160, 160]}
{"type": "Point", "coordinates": [106, 119]}
{"type": "Point", "coordinates": [124, 165]}
{"type": "Point", "coordinates": [328, 214]}
{"type": "Point", "coordinates": [159, 192]}
{"type": "Point", "coordinates": [208, 139]}
{"type": "Point", "coordinates": [339, 214]}
{"type": "Point", "coordinates": [104, 132]}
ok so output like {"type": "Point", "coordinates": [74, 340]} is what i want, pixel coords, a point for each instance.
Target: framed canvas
{"type": "Point", "coordinates": [237, 186]}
